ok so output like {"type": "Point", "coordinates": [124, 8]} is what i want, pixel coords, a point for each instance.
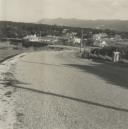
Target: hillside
{"type": "Point", "coordinates": [119, 25]}
{"type": "Point", "coordinates": [10, 29]}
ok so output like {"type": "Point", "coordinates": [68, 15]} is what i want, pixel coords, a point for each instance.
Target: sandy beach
{"type": "Point", "coordinates": [7, 98]}
{"type": "Point", "coordinates": [59, 90]}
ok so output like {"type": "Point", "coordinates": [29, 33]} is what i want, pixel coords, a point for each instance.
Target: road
{"type": "Point", "coordinates": [58, 90]}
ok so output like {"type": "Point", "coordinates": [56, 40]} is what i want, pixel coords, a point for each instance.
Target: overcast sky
{"type": "Point", "coordinates": [34, 10]}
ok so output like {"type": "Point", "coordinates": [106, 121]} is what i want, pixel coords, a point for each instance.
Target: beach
{"type": "Point", "coordinates": [8, 58]}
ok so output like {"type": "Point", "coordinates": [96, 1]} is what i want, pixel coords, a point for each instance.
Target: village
{"type": "Point", "coordinates": [100, 45]}
{"type": "Point", "coordinates": [97, 40]}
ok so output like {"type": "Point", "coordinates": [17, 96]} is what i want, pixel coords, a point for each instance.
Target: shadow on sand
{"type": "Point", "coordinates": [15, 85]}
{"type": "Point", "coordinates": [116, 74]}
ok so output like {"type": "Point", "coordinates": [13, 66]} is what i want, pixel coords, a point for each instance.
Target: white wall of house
{"type": "Point", "coordinates": [100, 39]}
{"type": "Point", "coordinates": [100, 43]}
{"type": "Point", "coordinates": [77, 40]}
{"type": "Point", "coordinates": [99, 36]}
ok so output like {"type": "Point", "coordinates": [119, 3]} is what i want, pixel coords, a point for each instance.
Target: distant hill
{"type": "Point", "coordinates": [119, 25]}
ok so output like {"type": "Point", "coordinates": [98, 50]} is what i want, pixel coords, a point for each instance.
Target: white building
{"type": "Point", "coordinates": [31, 38]}
{"type": "Point", "coordinates": [77, 40]}
{"type": "Point", "coordinates": [99, 36]}
{"type": "Point", "coordinates": [99, 40]}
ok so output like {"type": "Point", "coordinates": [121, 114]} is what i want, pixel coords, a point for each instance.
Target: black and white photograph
{"type": "Point", "coordinates": [63, 64]}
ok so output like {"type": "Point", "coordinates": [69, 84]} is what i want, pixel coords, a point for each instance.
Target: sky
{"type": "Point", "coordinates": [35, 10]}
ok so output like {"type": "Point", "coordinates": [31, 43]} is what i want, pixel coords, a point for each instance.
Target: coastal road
{"type": "Point", "coordinates": [59, 90]}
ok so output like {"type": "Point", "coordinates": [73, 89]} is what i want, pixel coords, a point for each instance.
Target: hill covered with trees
{"type": "Point", "coordinates": [10, 29]}
{"type": "Point", "coordinates": [117, 25]}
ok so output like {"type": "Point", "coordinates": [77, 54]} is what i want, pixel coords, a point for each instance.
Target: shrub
{"type": "Point", "coordinates": [110, 49]}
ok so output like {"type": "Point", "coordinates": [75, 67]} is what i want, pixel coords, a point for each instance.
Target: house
{"type": "Point", "coordinates": [103, 44]}
{"type": "Point", "coordinates": [100, 40]}
{"type": "Point", "coordinates": [77, 40]}
{"type": "Point", "coordinates": [31, 38]}
{"type": "Point", "coordinates": [99, 36]}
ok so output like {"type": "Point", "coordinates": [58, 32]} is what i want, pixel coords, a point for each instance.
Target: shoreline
{"type": "Point", "coordinates": [8, 114]}
{"type": "Point", "coordinates": [8, 111]}
{"type": "Point", "coordinates": [7, 98]}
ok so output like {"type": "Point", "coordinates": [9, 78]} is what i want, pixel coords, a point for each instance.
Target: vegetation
{"type": "Point", "coordinates": [108, 51]}
{"type": "Point", "coordinates": [18, 30]}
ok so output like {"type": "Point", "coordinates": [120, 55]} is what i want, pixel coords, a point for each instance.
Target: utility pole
{"type": "Point", "coordinates": [85, 40]}
{"type": "Point", "coordinates": [84, 45]}
{"type": "Point", "coordinates": [81, 40]}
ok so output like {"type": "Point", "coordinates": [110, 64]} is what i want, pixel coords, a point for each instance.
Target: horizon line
{"type": "Point", "coordinates": [23, 21]}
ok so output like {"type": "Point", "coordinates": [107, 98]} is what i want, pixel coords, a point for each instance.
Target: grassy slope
{"type": "Point", "coordinates": [6, 51]}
